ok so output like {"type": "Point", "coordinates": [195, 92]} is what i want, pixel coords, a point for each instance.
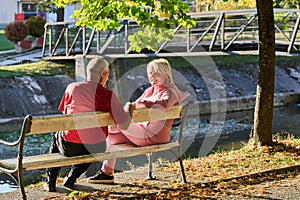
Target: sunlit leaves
{"type": "Point", "coordinates": [239, 174]}
{"type": "Point", "coordinates": [213, 5]}
{"type": "Point", "coordinates": [144, 12]}
{"type": "Point", "coordinates": [286, 4]}
{"type": "Point", "coordinates": [109, 14]}
{"type": "Point", "coordinates": [62, 3]}
{"type": "Point", "coordinates": [248, 160]}
{"type": "Point", "coordinates": [78, 195]}
{"type": "Point", "coordinates": [148, 38]}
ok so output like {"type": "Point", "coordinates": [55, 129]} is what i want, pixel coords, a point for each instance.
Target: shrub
{"type": "Point", "coordinates": [36, 25]}
{"type": "Point", "coordinates": [16, 31]}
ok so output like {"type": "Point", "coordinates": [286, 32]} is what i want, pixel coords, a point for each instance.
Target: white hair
{"type": "Point", "coordinates": [161, 66]}
{"type": "Point", "coordinates": [95, 68]}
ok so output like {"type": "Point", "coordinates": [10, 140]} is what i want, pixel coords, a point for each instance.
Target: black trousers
{"type": "Point", "coordinates": [69, 149]}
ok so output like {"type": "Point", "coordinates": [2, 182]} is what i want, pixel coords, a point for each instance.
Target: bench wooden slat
{"type": "Point", "coordinates": [140, 115]}
{"type": "Point", "coordinates": [56, 159]}
{"type": "Point", "coordinates": [45, 124]}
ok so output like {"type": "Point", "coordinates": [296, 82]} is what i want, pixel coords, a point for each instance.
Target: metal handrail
{"type": "Point", "coordinates": [217, 31]}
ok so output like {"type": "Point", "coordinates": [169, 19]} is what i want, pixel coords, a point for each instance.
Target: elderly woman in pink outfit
{"type": "Point", "coordinates": [162, 95]}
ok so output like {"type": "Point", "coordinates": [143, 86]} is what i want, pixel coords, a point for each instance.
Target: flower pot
{"type": "Point", "coordinates": [23, 45]}
{"type": "Point", "coordinates": [39, 41]}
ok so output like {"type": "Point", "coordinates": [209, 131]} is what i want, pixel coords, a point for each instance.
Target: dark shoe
{"type": "Point", "coordinates": [69, 183]}
{"type": "Point", "coordinates": [50, 186]}
{"type": "Point", "coordinates": [100, 177]}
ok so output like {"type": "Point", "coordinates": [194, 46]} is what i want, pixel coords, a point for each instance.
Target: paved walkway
{"type": "Point", "coordinates": [36, 55]}
{"type": "Point", "coordinates": [130, 185]}
{"type": "Point", "coordinates": [8, 51]}
{"type": "Point", "coordinates": [15, 59]}
{"type": "Point", "coordinates": [127, 184]}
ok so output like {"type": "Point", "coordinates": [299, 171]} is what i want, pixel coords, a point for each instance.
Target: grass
{"type": "Point", "coordinates": [51, 68]}
{"type": "Point", "coordinates": [41, 68]}
{"type": "Point", "coordinates": [5, 43]}
{"type": "Point", "coordinates": [232, 60]}
{"type": "Point", "coordinates": [250, 59]}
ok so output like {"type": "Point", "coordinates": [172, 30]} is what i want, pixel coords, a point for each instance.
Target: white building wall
{"type": "Point", "coordinates": [8, 8]}
{"type": "Point", "coordinates": [69, 10]}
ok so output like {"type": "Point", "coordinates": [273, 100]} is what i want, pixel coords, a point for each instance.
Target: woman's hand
{"type": "Point", "coordinates": [129, 108]}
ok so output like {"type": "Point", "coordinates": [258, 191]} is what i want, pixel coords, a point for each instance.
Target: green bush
{"type": "Point", "coordinates": [36, 25]}
{"type": "Point", "coordinates": [16, 31]}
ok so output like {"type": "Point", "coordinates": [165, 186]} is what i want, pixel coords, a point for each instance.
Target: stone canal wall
{"type": "Point", "coordinates": [20, 96]}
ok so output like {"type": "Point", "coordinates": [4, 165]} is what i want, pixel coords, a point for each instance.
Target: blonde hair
{"type": "Point", "coordinates": [161, 66]}
{"type": "Point", "coordinates": [95, 68]}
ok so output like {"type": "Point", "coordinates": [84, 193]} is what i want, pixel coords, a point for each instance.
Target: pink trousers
{"type": "Point", "coordinates": [140, 134]}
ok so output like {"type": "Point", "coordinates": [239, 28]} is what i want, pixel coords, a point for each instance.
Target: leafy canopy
{"type": "Point", "coordinates": [149, 14]}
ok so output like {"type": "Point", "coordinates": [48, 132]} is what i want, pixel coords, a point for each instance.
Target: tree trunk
{"type": "Point", "coordinates": [118, 70]}
{"type": "Point", "coordinates": [60, 13]}
{"type": "Point", "coordinates": [263, 114]}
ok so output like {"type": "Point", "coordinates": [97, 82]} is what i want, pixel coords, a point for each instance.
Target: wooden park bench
{"type": "Point", "coordinates": [15, 167]}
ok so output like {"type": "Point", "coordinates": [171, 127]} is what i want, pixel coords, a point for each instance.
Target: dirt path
{"type": "Point", "coordinates": [131, 185]}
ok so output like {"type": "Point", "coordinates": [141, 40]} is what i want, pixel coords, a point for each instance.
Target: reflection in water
{"type": "Point", "coordinates": [7, 187]}
{"type": "Point", "coordinates": [7, 184]}
{"type": "Point", "coordinates": [238, 125]}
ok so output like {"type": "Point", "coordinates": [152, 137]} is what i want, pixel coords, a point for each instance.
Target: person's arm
{"type": "Point", "coordinates": [63, 103]}
{"type": "Point", "coordinates": [166, 100]}
{"type": "Point", "coordinates": [121, 117]}
{"type": "Point", "coordinates": [129, 108]}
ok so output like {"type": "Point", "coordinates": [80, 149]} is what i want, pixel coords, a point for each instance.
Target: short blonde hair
{"type": "Point", "coordinates": [161, 66]}
{"type": "Point", "coordinates": [95, 67]}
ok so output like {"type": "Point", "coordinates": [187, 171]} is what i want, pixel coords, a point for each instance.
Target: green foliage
{"type": "Point", "coordinates": [217, 5]}
{"type": "Point", "coordinates": [108, 15]}
{"type": "Point", "coordinates": [79, 195]}
{"type": "Point", "coordinates": [154, 35]}
{"type": "Point", "coordinates": [286, 3]}
{"type": "Point", "coordinates": [105, 15]}
{"type": "Point", "coordinates": [36, 25]}
{"type": "Point", "coordinates": [16, 31]}
{"type": "Point", "coordinates": [210, 5]}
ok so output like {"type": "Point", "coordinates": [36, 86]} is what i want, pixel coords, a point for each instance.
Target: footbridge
{"type": "Point", "coordinates": [220, 32]}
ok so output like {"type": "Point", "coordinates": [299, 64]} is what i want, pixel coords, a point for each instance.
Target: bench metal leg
{"type": "Point", "coordinates": [150, 161]}
{"type": "Point", "coordinates": [179, 159]}
{"type": "Point", "coordinates": [182, 169]}
{"type": "Point", "coordinates": [18, 178]}
{"type": "Point", "coordinates": [177, 153]}
{"type": "Point", "coordinates": [21, 184]}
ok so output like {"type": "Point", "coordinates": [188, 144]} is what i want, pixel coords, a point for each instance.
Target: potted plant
{"type": "Point", "coordinates": [26, 35]}
{"type": "Point", "coordinates": [17, 32]}
{"type": "Point", "coordinates": [36, 28]}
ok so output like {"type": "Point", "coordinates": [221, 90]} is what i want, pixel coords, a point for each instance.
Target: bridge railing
{"type": "Point", "coordinates": [214, 31]}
